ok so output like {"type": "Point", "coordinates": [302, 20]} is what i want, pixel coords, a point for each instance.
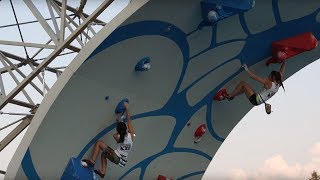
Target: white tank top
{"type": "Point", "coordinates": [266, 94]}
{"type": "Point", "coordinates": [123, 149]}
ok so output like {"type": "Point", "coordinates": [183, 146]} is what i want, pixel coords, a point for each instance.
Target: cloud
{"type": "Point", "coordinates": [315, 150]}
{"type": "Point", "coordinates": [238, 174]}
{"type": "Point", "coordinates": [276, 167]}
{"type": "Point", "coordinates": [316, 159]}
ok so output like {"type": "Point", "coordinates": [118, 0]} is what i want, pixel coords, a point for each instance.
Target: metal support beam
{"type": "Point", "coordinates": [23, 60]}
{"type": "Point", "coordinates": [20, 72]}
{"type": "Point", "coordinates": [71, 30]}
{"type": "Point", "coordinates": [13, 134]}
{"type": "Point", "coordinates": [4, 70]}
{"type": "Point", "coordinates": [73, 48]}
{"type": "Point", "coordinates": [55, 53]}
{"type": "Point", "coordinates": [58, 10]}
{"type": "Point", "coordinates": [16, 81]}
{"type": "Point", "coordinates": [16, 114]}
{"type": "Point", "coordinates": [62, 67]}
{"type": "Point", "coordinates": [58, 74]}
{"type": "Point", "coordinates": [89, 27]}
{"type": "Point", "coordinates": [39, 78]}
{"type": "Point", "coordinates": [16, 131]}
{"type": "Point", "coordinates": [80, 9]}
{"type": "Point", "coordinates": [12, 56]}
{"type": "Point", "coordinates": [71, 20]}
{"type": "Point", "coordinates": [27, 22]}
{"type": "Point", "coordinates": [8, 125]}
{"type": "Point", "coordinates": [74, 10]}
{"type": "Point", "coordinates": [41, 20]}
{"type": "Point", "coordinates": [35, 54]}
{"type": "Point", "coordinates": [53, 18]}
{"type": "Point", "coordinates": [2, 90]}
{"type": "Point", "coordinates": [35, 45]}
{"type": "Point", "coordinates": [22, 103]}
{"type": "Point", "coordinates": [63, 20]}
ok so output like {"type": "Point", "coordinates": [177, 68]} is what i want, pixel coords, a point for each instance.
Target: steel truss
{"type": "Point", "coordinates": [58, 44]}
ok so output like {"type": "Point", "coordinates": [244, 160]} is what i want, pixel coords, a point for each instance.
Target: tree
{"type": "Point", "coordinates": [314, 176]}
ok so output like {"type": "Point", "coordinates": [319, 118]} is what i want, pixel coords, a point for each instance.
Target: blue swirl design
{"type": "Point", "coordinates": [178, 99]}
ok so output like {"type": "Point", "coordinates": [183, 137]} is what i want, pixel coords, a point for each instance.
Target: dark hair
{"type": "Point", "coordinates": [122, 130]}
{"type": "Point", "coordinates": [277, 77]}
{"type": "Point", "coordinates": [268, 112]}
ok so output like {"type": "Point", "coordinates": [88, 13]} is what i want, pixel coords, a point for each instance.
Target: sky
{"type": "Point", "coordinates": [285, 144]}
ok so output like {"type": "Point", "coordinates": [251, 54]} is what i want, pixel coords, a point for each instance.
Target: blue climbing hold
{"type": "Point", "coordinates": [74, 170]}
{"type": "Point", "coordinates": [216, 10]}
{"type": "Point", "coordinates": [120, 107]}
{"type": "Point", "coordinates": [143, 64]}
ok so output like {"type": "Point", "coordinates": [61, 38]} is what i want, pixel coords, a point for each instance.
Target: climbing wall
{"type": "Point", "coordinates": [188, 66]}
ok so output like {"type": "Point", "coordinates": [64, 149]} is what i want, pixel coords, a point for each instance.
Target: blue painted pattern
{"type": "Point", "coordinates": [177, 106]}
{"type": "Point", "coordinates": [28, 167]}
{"type": "Point", "coordinates": [190, 175]}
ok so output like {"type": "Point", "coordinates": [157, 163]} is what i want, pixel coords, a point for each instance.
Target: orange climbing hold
{"type": "Point", "coordinates": [287, 48]}
{"type": "Point", "coordinates": [220, 95]}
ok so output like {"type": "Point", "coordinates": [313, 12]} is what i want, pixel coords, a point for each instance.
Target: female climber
{"type": "Point", "coordinates": [118, 156]}
{"type": "Point", "coordinates": [271, 85]}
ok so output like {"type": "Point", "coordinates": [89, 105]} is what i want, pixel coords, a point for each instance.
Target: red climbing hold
{"type": "Point", "coordinates": [200, 131]}
{"type": "Point", "coordinates": [161, 177]}
{"type": "Point", "coordinates": [220, 95]}
{"type": "Point", "coordinates": [286, 48]}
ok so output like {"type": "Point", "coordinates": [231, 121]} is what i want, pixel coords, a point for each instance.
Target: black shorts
{"type": "Point", "coordinates": [253, 99]}
{"type": "Point", "coordinates": [111, 155]}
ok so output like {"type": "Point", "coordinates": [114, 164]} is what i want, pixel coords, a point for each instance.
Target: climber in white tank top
{"type": "Point", "coordinates": [266, 94]}
{"type": "Point", "coordinates": [271, 86]}
{"type": "Point", "coordinates": [123, 149]}
{"type": "Point", "coordinates": [123, 137]}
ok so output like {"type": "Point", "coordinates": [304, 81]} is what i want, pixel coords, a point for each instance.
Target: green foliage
{"type": "Point", "coordinates": [314, 176]}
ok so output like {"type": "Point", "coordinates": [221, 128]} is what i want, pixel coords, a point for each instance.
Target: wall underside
{"type": "Point", "coordinates": [188, 66]}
